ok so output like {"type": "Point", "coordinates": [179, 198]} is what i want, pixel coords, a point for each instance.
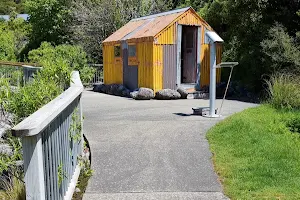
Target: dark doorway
{"type": "Point", "coordinates": [130, 73]}
{"type": "Point", "coordinates": [189, 54]}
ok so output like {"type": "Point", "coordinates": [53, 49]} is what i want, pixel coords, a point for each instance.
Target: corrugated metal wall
{"type": "Point", "coordinates": [113, 68]}
{"type": "Point", "coordinates": [145, 63]}
{"type": "Point", "coordinates": [169, 66]}
{"type": "Point", "coordinates": [205, 64]}
{"type": "Point", "coordinates": [157, 67]}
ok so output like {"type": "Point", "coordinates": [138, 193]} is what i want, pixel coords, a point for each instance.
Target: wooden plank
{"type": "Point", "coordinates": [19, 64]}
{"type": "Point", "coordinates": [34, 167]}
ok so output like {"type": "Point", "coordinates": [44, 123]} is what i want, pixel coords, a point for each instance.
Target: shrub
{"type": "Point", "coordinates": [65, 56]}
{"type": "Point", "coordinates": [31, 97]}
{"type": "Point", "coordinates": [284, 91]}
{"type": "Point", "coordinates": [87, 74]}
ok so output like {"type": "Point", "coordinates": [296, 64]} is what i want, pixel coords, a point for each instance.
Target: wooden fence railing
{"type": "Point", "coordinates": [17, 73]}
{"type": "Point", "coordinates": [52, 145]}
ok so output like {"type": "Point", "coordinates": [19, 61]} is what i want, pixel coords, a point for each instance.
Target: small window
{"type": "Point", "coordinates": [117, 51]}
{"type": "Point", "coordinates": [132, 50]}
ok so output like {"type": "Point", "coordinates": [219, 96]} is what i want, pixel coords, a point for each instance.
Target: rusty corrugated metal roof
{"type": "Point", "coordinates": [147, 26]}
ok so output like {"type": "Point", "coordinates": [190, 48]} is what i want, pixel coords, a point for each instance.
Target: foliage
{"type": "Point", "coordinates": [75, 127]}
{"type": "Point", "coordinates": [95, 20]}
{"type": "Point", "coordinates": [256, 155]}
{"type": "Point", "coordinates": [13, 38]}
{"type": "Point", "coordinates": [87, 74]}
{"type": "Point", "coordinates": [85, 174]}
{"type": "Point", "coordinates": [8, 162]}
{"type": "Point", "coordinates": [61, 174]}
{"type": "Point", "coordinates": [244, 25]}
{"type": "Point", "coordinates": [32, 96]}
{"type": "Point", "coordinates": [65, 57]}
{"type": "Point", "coordinates": [50, 20]}
{"type": "Point", "coordinates": [284, 91]}
{"type": "Point", "coordinates": [8, 6]}
{"type": "Point", "coordinates": [14, 189]}
{"type": "Point", "coordinates": [7, 49]}
{"type": "Point", "coordinates": [282, 50]}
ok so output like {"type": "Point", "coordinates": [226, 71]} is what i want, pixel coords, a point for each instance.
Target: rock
{"type": "Point", "coordinates": [19, 163]}
{"type": "Point", "coordinates": [113, 89]}
{"type": "Point", "coordinates": [6, 149]}
{"type": "Point", "coordinates": [183, 93]}
{"type": "Point", "coordinates": [99, 88]}
{"type": "Point", "coordinates": [77, 190]}
{"type": "Point", "coordinates": [167, 94]}
{"type": "Point", "coordinates": [125, 93]}
{"type": "Point", "coordinates": [134, 94]}
{"type": "Point", "coordinates": [143, 94]}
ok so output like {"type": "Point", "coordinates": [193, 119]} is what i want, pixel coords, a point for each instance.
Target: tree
{"type": "Point", "coordinates": [95, 20]}
{"type": "Point", "coordinates": [13, 38]}
{"type": "Point", "coordinates": [50, 20]}
{"type": "Point", "coordinates": [8, 6]}
{"type": "Point", "coordinates": [244, 25]}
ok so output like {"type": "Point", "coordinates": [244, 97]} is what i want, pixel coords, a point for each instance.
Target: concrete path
{"type": "Point", "coordinates": [150, 149]}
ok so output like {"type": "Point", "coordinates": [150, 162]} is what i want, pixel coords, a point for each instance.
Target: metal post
{"type": "Point", "coordinates": [212, 85]}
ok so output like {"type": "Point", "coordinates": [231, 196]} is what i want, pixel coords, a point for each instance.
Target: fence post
{"type": "Point", "coordinates": [33, 166]}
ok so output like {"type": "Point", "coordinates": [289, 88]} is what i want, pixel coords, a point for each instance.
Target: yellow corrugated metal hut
{"type": "Point", "coordinates": [160, 51]}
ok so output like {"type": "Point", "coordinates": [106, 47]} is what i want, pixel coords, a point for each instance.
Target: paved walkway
{"type": "Point", "coordinates": [150, 149]}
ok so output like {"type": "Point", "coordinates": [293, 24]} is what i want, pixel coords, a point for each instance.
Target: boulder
{"type": "Point", "coordinates": [113, 89]}
{"type": "Point", "coordinates": [183, 93]}
{"type": "Point", "coordinates": [134, 94]}
{"type": "Point", "coordinates": [167, 94]}
{"type": "Point", "coordinates": [6, 149]}
{"type": "Point", "coordinates": [143, 94]}
{"type": "Point", "coordinates": [125, 93]}
{"type": "Point", "coordinates": [99, 88]}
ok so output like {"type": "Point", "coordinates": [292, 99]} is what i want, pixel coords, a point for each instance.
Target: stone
{"type": "Point", "coordinates": [167, 94]}
{"type": "Point", "coordinates": [99, 88]}
{"type": "Point", "coordinates": [77, 190]}
{"type": "Point", "coordinates": [125, 93]}
{"type": "Point", "coordinates": [6, 149]}
{"type": "Point", "coordinates": [183, 93]}
{"type": "Point", "coordinates": [143, 94]}
{"type": "Point", "coordinates": [134, 94]}
{"type": "Point", "coordinates": [112, 89]}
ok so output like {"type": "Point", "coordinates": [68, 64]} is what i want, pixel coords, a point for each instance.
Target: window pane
{"type": "Point", "coordinates": [132, 50]}
{"type": "Point", "coordinates": [117, 51]}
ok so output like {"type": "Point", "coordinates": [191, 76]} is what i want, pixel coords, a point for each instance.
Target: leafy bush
{"type": "Point", "coordinates": [87, 74]}
{"type": "Point", "coordinates": [32, 96]}
{"type": "Point", "coordinates": [282, 50]}
{"type": "Point", "coordinates": [284, 91]}
{"type": "Point", "coordinates": [65, 57]}
{"type": "Point", "coordinates": [7, 48]}
{"type": "Point", "coordinates": [14, 35]}
{"type": "Point", "coordinates": [14, 189]}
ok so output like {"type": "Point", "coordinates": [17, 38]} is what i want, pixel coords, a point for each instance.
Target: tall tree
{"type": "Point", "coordinates": [50, 20]}
{"type": "Point", "coordinates": [8, 6]}
{"type": "Point", "coordinates": [244, 25]}
{"type": "Point", "coordinates": [94, 20]}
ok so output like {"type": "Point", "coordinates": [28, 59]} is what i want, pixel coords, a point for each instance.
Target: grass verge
{"type": "Point", "coordinates": [257, 154]}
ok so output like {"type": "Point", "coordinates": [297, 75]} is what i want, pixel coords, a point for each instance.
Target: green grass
{"type": "Point", "coordinates": [257, 155]}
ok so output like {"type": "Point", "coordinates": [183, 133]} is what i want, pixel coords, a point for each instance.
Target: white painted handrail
{"type": "Point", "coordinates": [52, 145]}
